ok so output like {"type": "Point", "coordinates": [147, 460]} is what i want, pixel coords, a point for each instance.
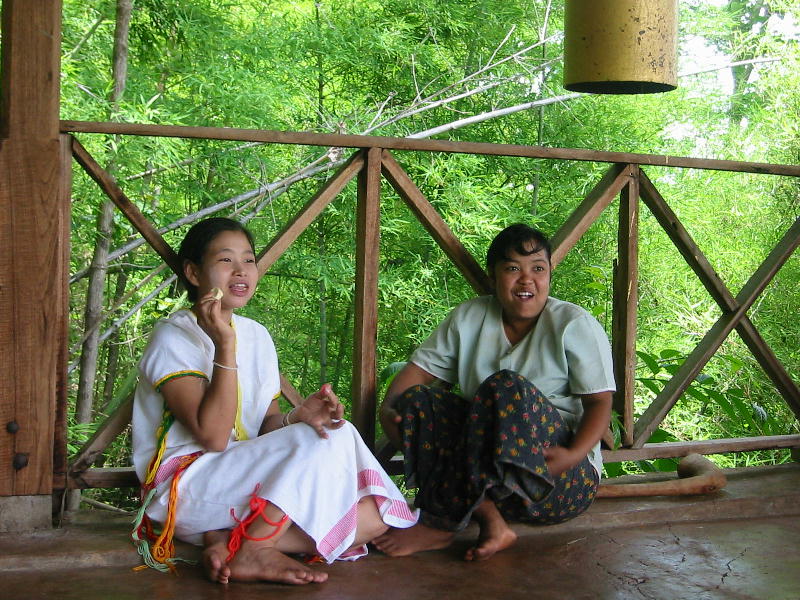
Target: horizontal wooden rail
{"type": "Point", "coordinates": [393, 143]}
{"type": "Point", "coordinates": [119, 477]}
{"type": "Point", "coordinates": [677, 449]}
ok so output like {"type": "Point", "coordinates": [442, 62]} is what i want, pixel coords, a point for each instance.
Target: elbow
{"type": "Point", "coordinates": [215, 447]}
{"type": "Point", "coordinates": [213, 444]}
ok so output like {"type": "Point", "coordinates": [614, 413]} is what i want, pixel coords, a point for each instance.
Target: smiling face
{"type": "Point", "coordinates": [522, 285]}
{"type": "Point", "coordinates": [229, 264]}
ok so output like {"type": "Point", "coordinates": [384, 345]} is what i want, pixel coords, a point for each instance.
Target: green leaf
{"type": "Point", "coordinates": [723, 403]}
{"type": "Point", "coordinates": [650, 361]}
{"type": "Point", "coordinates": [654, 385]}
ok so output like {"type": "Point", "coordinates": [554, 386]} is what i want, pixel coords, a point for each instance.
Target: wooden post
{"type": "Point", "coordinates": [626, 280]}
{"type": "Point", "coordinates": [365, 336]}
{"type": "Point", "coordinates": [34, 234]}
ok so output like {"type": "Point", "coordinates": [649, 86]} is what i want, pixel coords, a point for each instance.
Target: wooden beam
{"type": "Point", "coordinates": [31, 55]}
{"type": "Point", "coordinates": [422, 145]}
{"type": "Point", "coordinates": [60, 454]}
{"type": "Point", "coordinates": [433, 223]}
{"type": "Point", "coordinates": [34, 237]}
{"type": "Point", "coordinates": [626, 298]}
{"type": "Point", "coordinates": [121, 477]}
{"type": "Point", "coordinates": [109, 185]}
{"type": "Point", "coordinates": [106, 477]}
{"type": "Point", "coordinates": [587, 212]}
{"type": "Point", "coordinates": [365, 336]}
{"type": "Point", "coordinates": [694, 363]}
{"type": "Point", "coordinates": [719, 292]}
{"type": "Point", "coordinates": [309, 213]}
{"type": "Point", "coordinates": [721, 446]}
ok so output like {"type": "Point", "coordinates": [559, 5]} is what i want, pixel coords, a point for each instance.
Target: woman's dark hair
{"type": "Point", "coordinates": [517, 238]}
{"type": "Point", "coordinates": [196, 242]}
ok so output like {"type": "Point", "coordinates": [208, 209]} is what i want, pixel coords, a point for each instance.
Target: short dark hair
{"type": "Point", "coordinates": [199, 237]}
{"type": "Point", "coordinates": [515, 238]}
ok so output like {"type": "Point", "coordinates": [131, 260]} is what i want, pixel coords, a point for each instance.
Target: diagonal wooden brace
{"type": "Point", "coordinates": [698, 358]}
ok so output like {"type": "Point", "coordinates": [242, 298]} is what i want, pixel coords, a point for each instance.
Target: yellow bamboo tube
{"type": "Point", "coordinates": [620, 46]}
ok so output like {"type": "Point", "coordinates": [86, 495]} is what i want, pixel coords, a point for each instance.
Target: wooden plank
{"type": "Point", "coordinates": [35, 314]}
{"type": "Point", "coordinates": [106, 477]}
{"type": "Point", "coordinates": [365, 336]}
{"type": "Point", "coordinates": [435, 225]}
{"type": "Point", "coordinates": [309, 213]}
{"type": "Point", "coordinates": [35, 227]}
{"type": "Point", "coordinates": [142, 224]}
{"type": "Point", "coordinates": [422, 145]}
{"type": "Point", "coordinates": [31, 54]}
{"type": "Point", "coordinates": [658, 409]}
{"type": "Point", "coordinates": [8, 392]}
{"type": "Point", "coordinates": [709, 278]}
{"type": "Point", "coordinates": [626, 298]}
{"type": "Point", "coordinates": [120, 477]}
{"type": "Point", "coordinates": [587, 212]}
{"type": "Point", "coordinates": [721, 446]}
{"type": "Point", "coordinates": [62, 378]}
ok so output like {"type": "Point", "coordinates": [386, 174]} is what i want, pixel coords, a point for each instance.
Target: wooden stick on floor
{"type": "Point", "coordinates": [696, 475]}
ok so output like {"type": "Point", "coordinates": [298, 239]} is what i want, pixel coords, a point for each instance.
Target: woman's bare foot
{"type": "Point", "coordinates": [495, 534]}
{"type": "Point", "coordinates": [268, 564]}
{"type": "Point", "coordinates": [402, 542]}
{"type": "Point", "coordinates": [214, 554]}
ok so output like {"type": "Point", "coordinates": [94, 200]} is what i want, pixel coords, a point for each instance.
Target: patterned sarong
{"type": "Point", "coordinates": [459, 452]}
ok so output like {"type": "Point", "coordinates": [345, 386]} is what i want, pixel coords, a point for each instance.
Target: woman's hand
{"type": "Point", "coordinates": [321, 410]}
{"type": "Point", "coordinates": [407, 377]}
{"type": "Point", "coordinates": [594, 423]}
{"type": "Point", "coordinates": [560, 459]}
{"type": "Point", "coordinates": [208, 310]}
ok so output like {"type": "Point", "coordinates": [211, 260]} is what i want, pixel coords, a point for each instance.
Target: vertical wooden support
{"type": "Point", "coordinates": [34, 233]}
{"type": "Point", "coordinates": [60, 432]}
{"type": "Point", "coordinates": [626, 276]}
{"type": "Point", "coordinates": [365, 336]}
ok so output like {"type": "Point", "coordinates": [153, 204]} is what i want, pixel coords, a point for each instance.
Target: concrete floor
{"type": "Point", "coordinates": [741, 543]}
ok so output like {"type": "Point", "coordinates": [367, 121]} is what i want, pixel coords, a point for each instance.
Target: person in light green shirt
{"type": "Point", "coordinates": [521, 440]}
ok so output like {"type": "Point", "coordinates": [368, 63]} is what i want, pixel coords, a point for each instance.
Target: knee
{"type": "Point", "coordinates": [504, 378]}
{"type": "Point", "coordinates": [370, 523]}
{"type": "Point", "coordinates": [411, 397]}
{"type": "Point", "coordinates": [507, 375]}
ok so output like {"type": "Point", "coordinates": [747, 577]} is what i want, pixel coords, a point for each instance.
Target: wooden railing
{"type": "Point", "coordinates": [624, 178]}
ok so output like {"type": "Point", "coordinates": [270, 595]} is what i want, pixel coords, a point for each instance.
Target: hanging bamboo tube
{"type": "Point", "coordinates": [620, 46]}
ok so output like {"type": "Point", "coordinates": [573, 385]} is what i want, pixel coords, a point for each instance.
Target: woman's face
{"type": "Point", "coordinates": [522, 285]}
{"type": "Point", "coordinates": [228, 264]}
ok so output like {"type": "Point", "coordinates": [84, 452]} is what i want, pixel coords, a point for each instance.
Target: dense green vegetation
{"type": "Point", "coordinates": [404, 67]}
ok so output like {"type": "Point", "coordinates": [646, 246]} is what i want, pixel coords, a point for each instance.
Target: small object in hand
{"type": "Point", "coordinates": [217, 293]}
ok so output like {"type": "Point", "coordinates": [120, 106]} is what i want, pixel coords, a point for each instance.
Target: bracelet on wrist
{"type": "Point", "coordinates": [286, 422]}
{"type": "Point", "coordinates": [226, 367]}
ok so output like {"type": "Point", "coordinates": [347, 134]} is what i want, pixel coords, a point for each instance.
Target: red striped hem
{"type": "Point", "coordinates": [167, 470]}
{"type": "Point", "coordinates": [398, 513]}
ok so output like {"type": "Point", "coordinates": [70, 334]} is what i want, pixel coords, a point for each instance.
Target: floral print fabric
{"type": "Point", "coordinates": [458, 452]}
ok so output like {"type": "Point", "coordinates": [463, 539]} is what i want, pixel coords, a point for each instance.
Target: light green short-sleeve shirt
{"type": "Point", "coordinates": [565, 355]}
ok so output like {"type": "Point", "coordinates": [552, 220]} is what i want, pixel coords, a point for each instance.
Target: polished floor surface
{"type": "Point", "coordinates": [741, 543]}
